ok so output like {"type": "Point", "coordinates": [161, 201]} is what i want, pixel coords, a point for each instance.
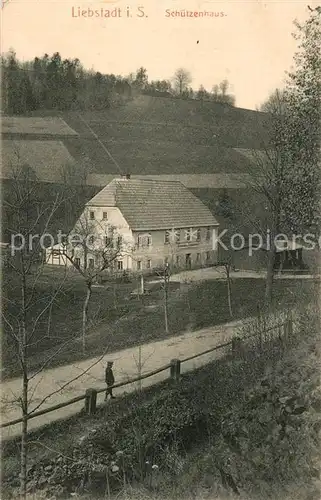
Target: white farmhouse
{"type": "Point", "coordinates": [157, 222]}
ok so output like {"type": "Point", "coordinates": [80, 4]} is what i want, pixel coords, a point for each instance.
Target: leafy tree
{"type": "Point", "coordinates": [286, 169]}
{"type": "Point", "coordinates": [220, 93]}
{"type": "Point", "coordinates": [158, 86]}
{"type": "Point", "coordinates": [13, 88]}
{"type": "Point", "coordinates": [141, 79]}
{"type": "Point", "coordinates": [202, 93]}
{"type": "Point", "coordinates": [303, 98]}
{"type": "Point", "coordinates": [181, 80]}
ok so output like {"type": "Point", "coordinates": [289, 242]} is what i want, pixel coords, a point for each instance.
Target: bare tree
{"type": "Point", "coordinates": [27, 310]}
{"type": "Point", "coordinates": [92, 249]}
{"type": "Point", "coordinates": [28, 221]}
{"type": "Point", "coordinates": [181, 80]}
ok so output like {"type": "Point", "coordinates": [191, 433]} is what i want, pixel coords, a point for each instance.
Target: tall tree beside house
{"type": "Point", "coordinates": [286, 169]}
{"type": "Point", "coordinates": [303, 97]}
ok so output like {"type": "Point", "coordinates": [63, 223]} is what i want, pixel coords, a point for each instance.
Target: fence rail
{"type": "Point", "coordinates": [90, 396]}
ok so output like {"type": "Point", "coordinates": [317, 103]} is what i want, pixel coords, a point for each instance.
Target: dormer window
{"type": "Point", "coordinates": [92, 215]}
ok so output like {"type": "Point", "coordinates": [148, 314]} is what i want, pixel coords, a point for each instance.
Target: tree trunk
{"type": "Point", "coordinates": [24, 397]}
{"type": "Point", "coordinates": [24, 439]}
{"type": "Point", "coordinates": [229, 290]}
{"type": "Point", "coordinates": [140, 367]}
{"type": "Point", "coordinates": [142, 284]}
{"type": "Point", "coordinates": [166, 304]}
{"type": "Point", "coordinates": [84, 316]}
{"type": "Point", "coordinates": [269, 277]}
{"type": "Point", "coordinates": [275, 229]}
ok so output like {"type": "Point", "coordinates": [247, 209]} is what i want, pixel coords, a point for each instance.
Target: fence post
{"type": "Point", "coordinates": [290, 327]}
{"type": "Point", "coordinates": [175, 369]}
{"type": "Point", "coordinates": [281, 337]}
{"type": "Point", "coordinates": [286, 331]}
{"type": "Point", "coordinates": [90, 401]}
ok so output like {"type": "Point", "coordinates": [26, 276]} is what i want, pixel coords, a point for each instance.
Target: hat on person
{"type": "Point", "coordinates": [110, 363]}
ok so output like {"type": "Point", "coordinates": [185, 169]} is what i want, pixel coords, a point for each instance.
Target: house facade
{"type": "Point", "coordinates": [151, 222]}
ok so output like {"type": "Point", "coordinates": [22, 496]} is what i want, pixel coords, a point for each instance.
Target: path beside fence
{"type": "Point", "coordinates": [153, 356]}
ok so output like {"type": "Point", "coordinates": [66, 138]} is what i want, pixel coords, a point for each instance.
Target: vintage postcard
{"type": "Point", "coordinates": [160, 249]}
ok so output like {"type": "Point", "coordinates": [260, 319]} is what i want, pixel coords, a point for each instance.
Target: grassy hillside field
{"type": "Point", "coordinates": [155, 135]}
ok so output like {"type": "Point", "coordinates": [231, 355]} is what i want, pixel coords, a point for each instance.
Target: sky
{"type": "Point", "coordinates": [250, 44]}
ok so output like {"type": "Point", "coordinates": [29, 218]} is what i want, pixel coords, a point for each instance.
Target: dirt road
{"type": "Point", "coordinates": [126, 362]}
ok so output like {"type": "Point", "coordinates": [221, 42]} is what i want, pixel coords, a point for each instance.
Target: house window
{"type": "Point", "coordinates": [167, 237]}
{"type": "Point", "coordinates": [119, 265]}
{"type": "Point", "coordinates": [188, 235]}
{"type": "Point", "coordinates": [139, 265]}
{"type": "Point", "coordinates": [92, 215]}
{"type": "Point", "coordinates": [91, 263]}
{"type": "Point", "coordinates": [149, 264]}
{"type": "Point", "coordinates": [198, 258]}
{"type": "Point", "coordinates": [119, 241]}
{"type": "Point", "coordinates": [198, 235]}
{"type": "Point", "coordinates": [77, 262]}
{"type": "Point", "coordinates": [177, 260]}
{"type": "Point", "coordinates": [208, 256]}
{"type": "Point", "coordinates": [91, 240]}
{"type": "Point", "coordinates": [144, 240]}
{"type": "Point", "coordinates": [105, 216]}
{"type": "Point", "coordinates": [208, 233]}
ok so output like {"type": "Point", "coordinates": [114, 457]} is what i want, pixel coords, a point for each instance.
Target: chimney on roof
{"type": "Point", "coordinates": [125, 176]}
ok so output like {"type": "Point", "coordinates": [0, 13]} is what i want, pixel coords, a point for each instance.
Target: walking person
{"type": "Point", "coordinates": [110, 380]}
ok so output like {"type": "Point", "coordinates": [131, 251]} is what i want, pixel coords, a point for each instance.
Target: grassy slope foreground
{"type": "Point", "coordinates": [244, 428]}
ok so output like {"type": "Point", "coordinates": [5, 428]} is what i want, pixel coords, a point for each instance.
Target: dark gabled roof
{"type": "Point", "coordinates": [154, 204]}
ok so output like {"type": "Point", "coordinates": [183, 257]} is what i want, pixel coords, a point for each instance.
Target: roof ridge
{"type": "Point", "coordinates": [145, 180]}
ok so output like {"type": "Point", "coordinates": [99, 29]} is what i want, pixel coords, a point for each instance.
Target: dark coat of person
{"type": "Point", "coordinates": [109, 376]}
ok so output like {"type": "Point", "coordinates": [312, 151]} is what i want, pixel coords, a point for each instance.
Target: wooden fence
{"type": "Point", "coordinates": [280, 331]}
